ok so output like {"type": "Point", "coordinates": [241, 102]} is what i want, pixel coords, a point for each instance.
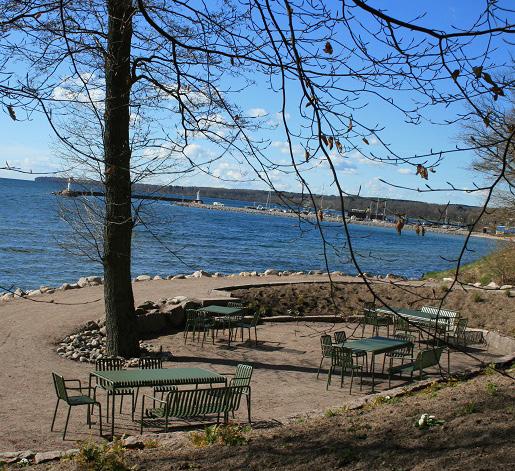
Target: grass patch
{"type": "Point", "coordinates": [498, 267]}
{"type": "Point", "coordinates": [334, 412]}
{"type": "Point", "coordinates": [491, 388]}
{"type": "Point", "coordinates": [469, 408]}
{"type": "Point", "coordinates": [231, 434]}
{"type": "Point", "coordinates": [101, 457]}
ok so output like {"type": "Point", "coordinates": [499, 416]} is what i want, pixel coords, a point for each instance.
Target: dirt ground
{"type": "Point", "coordinates": [285, 361]}
{"type": "Point", "coordinates": [492, 310]}
{"type": "Point", "coordinates": [476, 434]}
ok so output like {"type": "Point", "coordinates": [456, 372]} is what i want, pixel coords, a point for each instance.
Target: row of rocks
{"type": "Point", "coordinates": [478, 284]}
{"type": "Point", "coordinates": [86, 281]}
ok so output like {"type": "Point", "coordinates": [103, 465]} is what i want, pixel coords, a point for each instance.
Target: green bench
{"type": "Point", "coordinates": [192, 403]}
{"type": "Point", "coordinates": [425, 359]}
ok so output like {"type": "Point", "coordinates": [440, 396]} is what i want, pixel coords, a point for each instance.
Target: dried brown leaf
{"type": "Point", "coordinates": [328, 49]}
{"type": "Point", "coordinates": [12, 113]}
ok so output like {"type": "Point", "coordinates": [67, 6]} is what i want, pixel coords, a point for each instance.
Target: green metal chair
{"type": "Point", "coordinates": [458, 336]}
{"type": "Point", "coordinates": [342, 358]}
{"type": "Point", "coordinates": [241, 378]}
{"type": "Point", "coordinates": [191, 318]}
{"type": "Point", "coordinates": [425, 359]}
{"type": "Point", "coordinates": [340, 337]}
{"type": "Point", "coordinates": [203, 325]}
{"type": "Point", "coordinates": [80, 399]}
{"type": "Point", "coordinates": [404, 353]}
{"type": "Point", "coordinates": [114, 364]}
{"type": "Point", "coordinates": [326, 345]}
{"type": "Point", "coordinates": [402, 326]}
{"type": "Point", "coordinates": [249, 325]}
{"type": "Point", "coordinates": [376, 321]}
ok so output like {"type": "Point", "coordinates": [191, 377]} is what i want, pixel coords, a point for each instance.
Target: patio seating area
{"type": "Point", "coordinates": [288, 378]}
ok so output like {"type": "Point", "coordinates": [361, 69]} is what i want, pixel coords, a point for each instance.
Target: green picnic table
{"type": "Point", "coordinates": [225, 312]}
{"type": "Point", "coordinates": [135, 377]}
{"type": "Point", "coordinates": [415, 315]}
{"type": "Point", "coordinates": [375, 346]}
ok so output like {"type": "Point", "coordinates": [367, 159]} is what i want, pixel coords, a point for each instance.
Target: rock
{"type": "Point", "coordinates": [65, 286]}
{"type": "Point", "coordinates": [178, 277]}
{"type": "Point", "coordinates": [94, 280]}
{"type": "Point", "coordinates": [47, 456]}
{"type": "Point", "coordinates": [151, 323]}
{"type": "Point", "coordinates": [253, 273]}
{"type": "Point", "coordinates": [7, 297]}
{"type": "Point", "coordinates": [177, 299]}
{"type": "Point", "coordinates": [34, 292]}
{"type": "Point", "coordinates": [19, 292]}
{"type": "Point", "coordinates": [506, 287]}
{"type": "Point", "coordinates": [511, 294]}
{"type": "Point", "coordinates": [15, 456]}
{"type": "Point", "coordinates": [83, 282]}
{"type": "Point", "coordinates": [285, 273]}
{"type": "Point", "coordinates": [270, 272]}
{"type": "Point", "coordinates": [315, 272]}
{"type": "Point", "coordinates": [218, 275]}
{"type": "Point", "coordinates": [157, 277]}
{"type": "Point", "coordinates": [477, 284]}
{"type": "Point", "coordinates": [200, 274]}
{"type": "Point", "coordinates": [244, 273]}
{"type": "Point", "coordinates": [449, 280]}
{"type": "Point", "coordinates": [133, 443]}
{"type": "Point", "coordinates": [45, 289]}
{"type": "Point", "coordinates": [103, 330]}
{"type": "Point", "coordinates": [91, 325]}
{"type": "Point", "coordinates": [83, 359]}
{"type": "Point", "coordinates": [298, 273]}
{"type": "Point", "coordinates": [142, 278]}
{"type": "Point", "coordinates": [492, 285]}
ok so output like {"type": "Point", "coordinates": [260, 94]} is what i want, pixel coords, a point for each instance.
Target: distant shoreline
{"type": "Point", "coordinates": [328, 218]}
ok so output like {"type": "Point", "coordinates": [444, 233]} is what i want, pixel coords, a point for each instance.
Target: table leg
{"type": "Point", "coordinates": [372, 368]}
{"type": "Point", "coordinates": [112, 414]}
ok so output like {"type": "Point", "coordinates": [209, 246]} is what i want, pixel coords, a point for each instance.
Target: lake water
{"type": "Point", "coordinates": [184, 239]}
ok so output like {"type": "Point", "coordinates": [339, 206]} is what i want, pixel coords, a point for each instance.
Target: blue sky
{"type": "Point", "coordinates": [28, 144]}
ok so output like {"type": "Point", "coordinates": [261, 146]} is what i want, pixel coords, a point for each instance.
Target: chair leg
{"type": "Point", "coordinates": [67, 419]}
{"type": "Point", "coordinates": [351, 379]}
{"type": "Point", "coordinates": [107, 413]}
{"type": "Point", "coordinates": [248, 405]}
{"type": "Point", "coordinates": [121, 403]}
{"type": "Point", "coordinates": [384, 359]}
{"type": "Point", "coordinates": [329, 374]}
{"type": "Point", "coordinates": [321, 361]}
{"type": "Point", "coordinates": [100, 417]}
{"type": "Point", "coordinates": [55, 414]}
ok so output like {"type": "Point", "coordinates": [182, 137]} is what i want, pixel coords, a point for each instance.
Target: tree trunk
{"type": "Point", "coordinates": [122, 338]}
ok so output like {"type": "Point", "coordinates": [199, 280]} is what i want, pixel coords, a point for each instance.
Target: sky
{"type": "Point", "coordinates": [28, 144]}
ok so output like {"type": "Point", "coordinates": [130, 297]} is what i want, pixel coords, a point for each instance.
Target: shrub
{"type": "Point", "coordinates": [469, 408]}
{"type": "Point", "coordinates": [477, 298]}
{"type": "Point", "coordinates": [230, 434]}
{"type": "Point", "coordinates": [101, 457]}
{"type": "Point", "coordinates": [491, 388]}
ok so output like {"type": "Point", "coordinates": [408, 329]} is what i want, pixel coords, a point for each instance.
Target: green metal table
{"type": "Point", "coordinates": [375, 346]}
{"type": "Point", "coordinates": [134, 377]}
{"type": "Point", "coordinates": [416, 316]}
{"type": "Point", "coordinates": [226, 312]}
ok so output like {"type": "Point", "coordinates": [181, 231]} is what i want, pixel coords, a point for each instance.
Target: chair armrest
{"type": "Point", "coordinates": [152, 398]}
{"type": "Point", "coordinates": [73, 381]}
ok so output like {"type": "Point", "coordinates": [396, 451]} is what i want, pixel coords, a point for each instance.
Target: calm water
{"type": "Point", "coordinates": [187, 239]}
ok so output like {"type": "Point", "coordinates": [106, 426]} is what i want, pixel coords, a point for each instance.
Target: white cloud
{"type": "Point", "coordinates": [256, 112]}
{"type": "Point", "coordinates": [284, 148]}
{"type": "Point", "coordinates": [405, 171]}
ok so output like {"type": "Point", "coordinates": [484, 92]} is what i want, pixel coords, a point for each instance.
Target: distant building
{"type": "Point", "coordinates": [359, 214]}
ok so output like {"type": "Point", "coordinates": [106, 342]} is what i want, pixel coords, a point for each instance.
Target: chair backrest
{"type": "Point", "coordinates": [429, 357]}
{"type": "Point", "coordinates": [108, 364]}
{"type": "Point", "coordinates": [60, 387]}
{"type": "Point", "coordinates": [340, 336]}
{"type": "Point", "coordinates": [150, 363]}
{"type": "Point", "coordinates": [235, 304]}
{"type": "Point", "coordinates": [326, 343]}
{"type": "Point", "coordinates": [461, 326]}
{"type": "Point", "coordinates": [341, 356]}
{"type": "Point", "coordinates": [400, 323]}
{"type": "Point", "coordinates": [242, 375]}
{"type": "Point", "coordinates": [407, 338]}
{"type": "Point", "coordinates": [202, 401]}
{"type": "Point", "coordinates": [256, 317]}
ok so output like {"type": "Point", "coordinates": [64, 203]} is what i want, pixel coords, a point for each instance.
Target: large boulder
{"type": "Point", "coordinates": [152, 323]}
{"type": "Point", "coordinates": [176, 316]}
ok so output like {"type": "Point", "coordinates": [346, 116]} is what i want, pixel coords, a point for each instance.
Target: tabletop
{"type": "Point", "coordinates": [135, 377]}
{"type": "Point", "coordinates": [375, 344]}
{"type": "Point", "coordinates": [221, 310]}
{"type": "Point", "coordinates": [413, 313]}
